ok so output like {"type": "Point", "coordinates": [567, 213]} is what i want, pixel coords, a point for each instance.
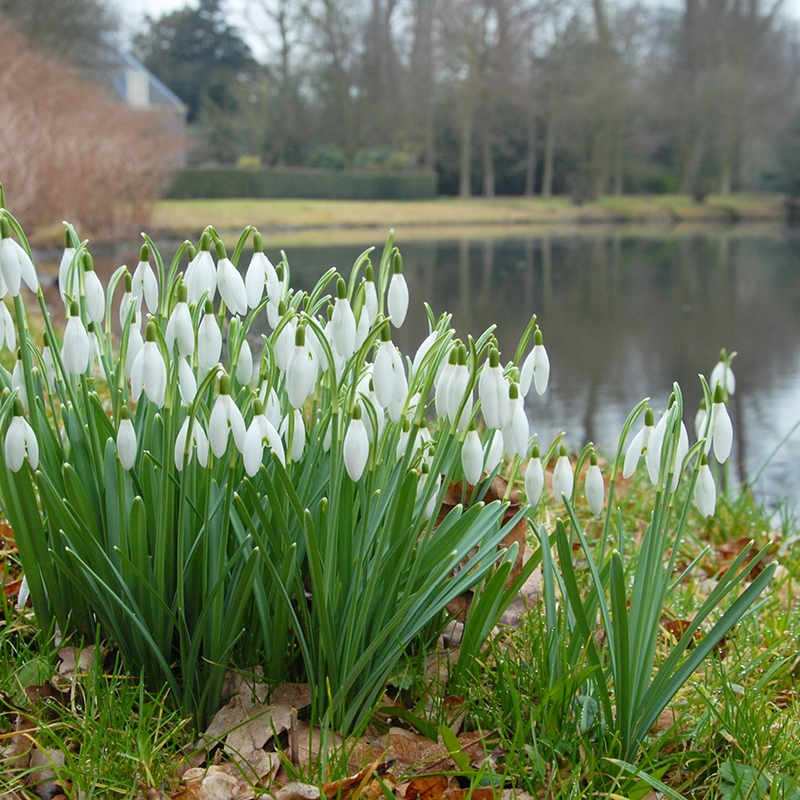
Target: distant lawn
{"type": "Point", "coordinates": [188, 217]}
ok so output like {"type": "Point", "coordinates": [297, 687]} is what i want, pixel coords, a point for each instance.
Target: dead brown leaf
{"type": "Point", "coordinates": [366, 784]}
{"type": "Point", "coordinates": [426, 788]}
{"type": "Point", "coordinates": [306, 743]}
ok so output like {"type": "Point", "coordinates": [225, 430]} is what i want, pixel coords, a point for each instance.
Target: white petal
{"type": "Point", "coordinates": [633, 454]}
{"type": "Point", "coordinates": [255, 279]}
{"type": "Point", "coordinates": [187, 383]}
{"type": "Point", "coordinates": [201, 277]}
{"type": "Point", "coordinates": [534, 481]}
{"type": "Point", "coordinates": [15, 444]}
{"type": "Point", "coordinates": [355, 449]}
{"type": "Point", "coordinates": [343, 328]}
{"type": "Point", "coordinates": [65, 285]}
{"type": "Point", "coordinates": [8, 333]}
{"type": "Point", "coordinates": [595, 489]}
{"type": "Point", "coordinates": [154, 373]}
{"type": "Point", "coordinates": [95, 297]}
{"type": "Point", "coordinates": [494, 451]}
{"type": "Point", "coordinates": [209, 343]}
{"type": "Point", "coordinates": [218, 428]}
{"type": "Point", "coordinates": [383, 373]}
{"type": "Point", "coordinates": [75, 350]}
{"type": "Point", "coordinates": [126, 444]}
{"type": "Point", "coordinates": [562, 478]}
{"type": "Point", "coordinates": [397, 299]}
{"type": "Point", "coordinates": [472, 458]}
{"type": "Point", "coordinates": [244, 365]}
{"type": "Point", "coordinates": [705, 492]}
{"type": "Point", "coordinates": [422, 351]}
{"type": "Point", "coordinates": [253, 448]}
{"type": "Point", "coordinates": [541, 369]}
{"type": "Point", "coordinates": [721, 432]}
{"type": "Point", "coordinates": [135, 345]}
{"type": "Point", "coordinates": [231, 287]}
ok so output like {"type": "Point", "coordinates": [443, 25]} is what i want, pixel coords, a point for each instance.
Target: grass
{"type": "Point", "coordinates": [732, 732]}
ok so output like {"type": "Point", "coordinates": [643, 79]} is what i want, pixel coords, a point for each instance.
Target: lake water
{"type": "Point", "coordinates": [624, 314]}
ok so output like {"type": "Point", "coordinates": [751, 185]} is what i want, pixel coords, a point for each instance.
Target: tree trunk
{"type": "Point", "coordinates": [465, 177]}
{"type": "Point", "coordinates": [488, 167]}
{"type": "Point", "coordinates": [533, 146]}
{"type": "Point", "coordinates": [549, 156]}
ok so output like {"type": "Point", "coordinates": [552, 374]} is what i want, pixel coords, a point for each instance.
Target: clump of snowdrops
{"type": "Point", "coordinates": [208, 507]}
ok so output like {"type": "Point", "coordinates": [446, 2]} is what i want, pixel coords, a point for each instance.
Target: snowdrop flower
{"type": "Point", "coordinates": [47, 358]}
{"type": "Point", "coordinates": [15, 263]}
{"type": "Point", "coordinates": [388, 374]}
{"type": "Point", "coordinates": [95, 294]}
{"type": "Point", "coordinates": [494, 451]}
{"type": "Point", "coordinates": [534, 478]}
{"type": "Point", "coordinates": [260, 432]}
{"type": "Point", "coordinates": [260, 274]}
{"type": "Point", "coordinates": [654, 445]}
{"type": "Point", "coordinates": [457, 386]}
{"type": "Point", "coordinates": [198, 443]}
{"type": "Point", "coordinates": [493, 392]}
{"type": "Point", "coordinates": [75, 350]}
{"type": "Point", "coordinates": [225, 418]}
{"type": "Point", "coordinates": [405, 441]}
{"type": "Point", "coordinates": [294, 433]}
{"type": "Point", "coordinates": [442, 383]}
{"type": "Point", "coordinates": [700, 419]}
{"type": "Point", "coordinates": [127, 446]}
{"type": "Point", "coordinates": [18, 380]}
{"type": "Point", "coordinates": [145, 283]}
{"type": "Point", "coordinates": [179, 326]}
{"type": "Point", "coordinates": [272, 406]}
{"type": "Point", "coordinates": [230, 283]}
{"type": "Point", "coordinates": [301, 370]}
{"type": "Point", "coordinates": [705, 491]}
{"type": "Point", "coordinates": [187, 383]}
{"type": "Point", "coordinates": [149, 371]}
{"type": "Point", "coordinates": [285, 340]}
{"type": "Point", "coordinates": [472, 457]}
{"type": "Point", "coordinates": [370, 294]}
{"type": "Point", "coordinates": [680, 453]}
{"type": "Point", "coordinates": [65, 280]}
{"type": "Point", "coordinates": [127, 301]}
{"type": "Point", "coordinates": [343, 322]}
{"type": "Point", "coordinates": [536, 366]}
{"type": "Point", "coordinates": [8, 334]}
{"type": "Point", "coordinates": [134, 344]}
{"type": "Point", "coordinates": [244, 363]}
{"type": "Point", "coordinates": [367, 400]}
{"type": "Point", "coordinates": [422, 351]}
{"type": "Point", "coordinates": [201, 274]}
{"type": "Point", "coordinates": [721, 428]}
{"type": "Point", "coordinates": [562, 476]}
{"type": "Point", "coordinates": [516, 432]}
{"type": "Point", "coordinates": [594, 487]}
{"type": "Point", "coordinates": [362, 329]}
{"type": "Point", "coordinates": [397, 295]}
{"type": "Point", "coordinates": [356, 446]}
{"type": "Point", "coordinates": [209, 340]}
{"type": "Point", "coordinates": [638, 444]}
{"type": "Point", "coordinates": [722, 374]}
{"type": "Point", "coordinates": [20, 441]}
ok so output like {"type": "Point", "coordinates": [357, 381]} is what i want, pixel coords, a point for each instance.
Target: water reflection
{"type": "Point", "coordinates": [623, 314]}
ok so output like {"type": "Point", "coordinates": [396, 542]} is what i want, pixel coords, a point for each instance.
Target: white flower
{"type": "Point", "coordinates": [442, 384]}
{"type": "Point", "coordinates": [356, 446]}
{"type": "Point", "coordinates": [179, 327]}
{"type": "Point", "coordinates": [149, 372]}
{"type": "Point", "coordinates": [135, 344]}
{"type": "Point", "coordinates": [388, 374]}
{"type": "Point", "coordinates": [75, 350]}
{"type": "Point", "coordinates": [343, 322]}
{"type": "Point", "coordinates": [680, 453]}
{"type": "Point", "coordinates": [594, 488]}
{"type": "Point", "coordinates": [273, 314]}
{"type": "Point", "coordinates": [20, 442]}
{"type": "Point", "coordinates": [536, 366]}
{"type": "Point", "coordinates": [18, 381]}
{"type": "Point", "coordinates": [457, 388]}
{"type": "Point", "coordinates": [422, 351]}
{"type": "Point", "coordinates": [721, 429]}
{"type": "Point", "coordinates": [49, 361]}
{"type": "Point", "coordinates": [562, 476]}
{"type": "Point", "coordinates": [15, 264]}
{"type": "Point", "coordinates": [534, 478]}
{"type": "Point", "coordinates": [201, 274]}
{"type": "Point", "coordinates": [256, 277]}
{"type": "Point", "coordinates": [187, 383]}
{"type": "Point", "coordinates": [301, 370]}
{"type": "Point", "coordinates": [95, 294]}
{"type": "Point", "coordinates": [370, 295]}
{"type": "Point", "coordinates": [198, 442]}
{"type": "Point", "coordinates": [362, 329]}
{"type": "Point", "coordinates": [705, 492]}
{"type": "Point", "coordinates": [231, 286]}
{"type": "Point", "coordinates": [244, 364]}
{"type": "Point", "coordinates": [493, 391]}
{"type": "Point", "coordinates": [397, 295]}
{"type": "Point", "coordinates": [638, 445]}
{"type": "Point", "coordinates": [145, 283]}
{"type": "Point", "coordinates": [225, 417]}
{"type": "Point", "coordinates": [127, 301]}
{"type": "Point", "coordinates": [284, 343]}
{"type": "Point", "coordinates": [654, 445]}
{"type": "Point", "coordinates": [297, 435]}
{"type": "Point", "coordinates": [272, 406]}
{"type": "Point", "coordinates": [494, 451]}
{"type": "Point", "coordinates": [472, 458]}
{"type": "Point", "coordinates": [8, 333]}
{"type": "Point", "coordinates": [65, 281]}
{"type": "Point", "coordinates": [126, 441]}
{"type": "Point", "coordinates": [209, 340]}
{"type": "Point", "coordinates": [722, 375]}
{"type": "Point", "coordinates": [260, 432]}
{"type": "Point", "coordinates": [517, 431]}
{"type": "Point", "coordinates": [700, 419]}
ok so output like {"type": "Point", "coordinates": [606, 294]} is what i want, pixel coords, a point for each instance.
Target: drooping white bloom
{"type": "Point", "coordinates": [534, 478]}
{"type": "Point", "coordinates": [721, 428]}
{"type": "Point", "coordinates": [145, 283]}
{"type": "Point", "coordinates": [225, 418]}
{"type": "Point", "coordinates": [301, 370]}
{"type": "Point", "coordinates": [517, 431]}
{"type": "Point", "coordinates": [18, 381]}
{"type": "Point", "coordinates": [8, 334]}
{"type": "Point", "coordinates": [700, 419]}
{"type": "Point", "coordinates": [457, 388]}
{"type": "Point", "coordinates": [66, 283]}
{"type": "Point", "coordinates": [362, 329]}
{"type": "Point", "coordinates": [562, 476]}
{"type": "Point", "coordinates": [256, 277]}
{"type": "Point", "coordinates": [422, 351]}
{"type": "Point", "coordinates": [75, 350]}
{"type": "Point", "coordinates": [722, 375]}
{"type": "Point", "coordinates": [187, 383]}
{"type": "Point", "coordinates": [493, 392]}
{"type": "Point", "coordinates": [273, 314]}
{"type": "Point", "coordinates": [356, 446]}
{"type": "Point", "coordinates": [95, 294]}
{"type": "Point", "coordinates": [272, 406]}
{"type": "Point", "coordinates": [594, 487]}
{"type": "Point", "coordinates": [472, 458]}
{"type": "Point", "coordinates": [179, 326]}
{"type": "Point", "coordinates": [198, 442]}
{"type": "Point", "coordinates": [201, 274]}
{"type": "Point", "coordinates": [127, 445]}
{"type": "Point", "coordinates": [15, 263]}
{"type": "Point", "coordinates": [209, 340]}
{"type": "Point", "coordinates": [705, 491]}
{"type": "Point", "coordinates": [442, 384]}
{"type": "Point", "coordinates": [20, 442]}
{"type": "Point", "coordinates": [654, 445]}
{"type": "Point", "coordinates": [284, 343]}
{"type": "Point", "coordinates": [405, 441]}
{"type": "Point", "coordinates": [343, 322]}
{"type": "Point", "coordinates": [135, 344]}
{"type": "Point", "coordinates": [260, 432]}
{"type": "Point", "coordinates": [397, 294]}
{"type": "Point", "coordinates": [231, 286]}
{"type": "Point", "coordinates": [494, 451]}
{"type": "Point", "coordinates": [49, 361]}
{"type": "Point", "coordinates": [680, 453]}
{"type": "Point", "coordinates": [244, 364]}
{"type": "Point", "coordinates": [388, 373]}
{"type": "Point", "coordinates": [638, 445]}
{"type": "Point", "coordinates": [370, 295]}
{"type": "Point", "coordinates": [295, 434]}
{"type": "Point", "coordinates": [149, 372]}
{"type": "Point", "coordinates": [536, 367]}
{"type": "Point", "coordinates": [128, 301]}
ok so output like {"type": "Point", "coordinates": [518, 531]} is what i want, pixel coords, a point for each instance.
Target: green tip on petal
{"type": "Point", "coordinates": [386, 333]}
{"type": "Point", "coordinates": [18, 409]}
{"type": "Point", "coordinates": [718, 396]}
{"type": "Point", "coordinates": [537, 337]}
{"type": "Point", "coordinates": [128, 282]}
{"type": "Point", "coordinates": [513, 391]}
{"type": "Point", "coordinates": [723, 354]}
{"type": "Point", "coordinates": [425, 468]}
{"type": "Point", "coordinates": [462, 355]}
{"type": "Point", "coordinates": [494, 358]}
{"type": "Point", "coordinates": [225, 384]}
{"type": "Point", "coordinates": [398, 264]}
{"type": "Point", "coordinates": [19, 354]}
{"type": "Point", "coordinates": [369, 272]}
{"type": "Point", "coordinates": [192, 251]}
{"type": "Point", "coordinates": [341, 289]}
{"type": "Point", "coordinates": [220, 248]}
{"type": "Point", "coordinates": [281, 308]}
{"type": "Point", "coordinates": [67, 242]}
{"type": "Point", "coordinates": [258, 407]}
{"type": "Point", "coordinates": [144, 253]}
{"type": "Point", "coordinates": [649, 418]}
{"type": "Point", "coordinates": [279, 271]}
{"type": "Point", "coordinates": [406, 424]}
{"type": "Point", "coordinates": [258, 243]}
{"type": "Point", "coordinates": [562, 451]}
{"type": "Point", "coordinates": [150, 331]}
{"type": "Point", "coordinates": [535, 452]}
{"type": "Point", "coordinates": [124, 413]}
{"type": "Point", "coordinates": [209, 307]}
{"type": "Point", "coordinates": [183, 293]}
{"type": "Point", "coordinates": [205, 240]}
{"type": "Point", "coordinates": [73, 308]}
{"type": "Point", "coordinates": [703, 406]}
{"type": "Point", "coordinates": [453, 357]}
{"type": "Point", "coordinates": [703, 460]}
{"type": "Point", "coordinates": [300, 336]}
{"type": "Point", "coordinates": [88, 261]}
{"type": "Point", "coordinates": [356, 411]}
{"type": "Point", "coordinates": [593, 458]}
{"type": "Point", "coordinates": [5, 228]}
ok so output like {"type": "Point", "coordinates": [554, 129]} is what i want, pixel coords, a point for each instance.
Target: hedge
{"type": "Point", "coordinates": [311, 183]}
